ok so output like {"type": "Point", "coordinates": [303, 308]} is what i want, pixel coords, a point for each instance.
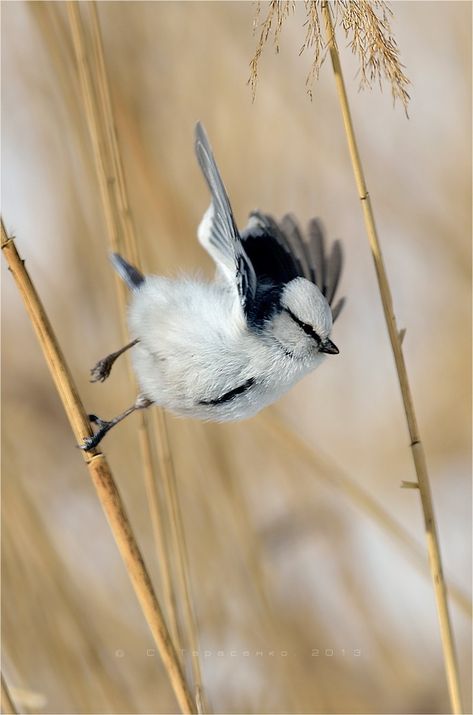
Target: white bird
{"type": "Point", "coordinates": [225, 349]}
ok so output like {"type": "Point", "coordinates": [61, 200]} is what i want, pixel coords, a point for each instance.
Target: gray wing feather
{"type": "Point", "coordinates": [337, 309]}
{"type": "Point", "coordinates": [224, 223]}
{"type": "Point", "coordinates": [317, 251]}
{"type": "Point", "coordinates": [333, 271]}
{"type": "Point", "coordinates": [323, 270]}
{"type": "Point", "coordinates": [299, 247]}
{"type": "Point", "coordinates": [218, 232]}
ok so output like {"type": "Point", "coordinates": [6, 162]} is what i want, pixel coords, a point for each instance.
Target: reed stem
{"type": "Point", "coordinates": [182, 563]}
{"type": "Point", "coordinates": [121, 237]}
{"type": "Point", "coordinates": [417, 449]}
{"type": "Point", "coordinates": [100, 474]}
{"type": "Point", "coordinates": [155, 424]}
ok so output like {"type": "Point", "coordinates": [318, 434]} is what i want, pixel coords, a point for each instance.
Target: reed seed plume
{"type": "Point", "coordinates": [368, 29]}
{"type": "Point", "coordinates": [278, 11]}
{"type": "Point", "coordinates": [367, 26]}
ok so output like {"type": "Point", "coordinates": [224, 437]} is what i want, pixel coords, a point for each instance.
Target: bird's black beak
{"type": "Point", "coordinates": [328, 347]}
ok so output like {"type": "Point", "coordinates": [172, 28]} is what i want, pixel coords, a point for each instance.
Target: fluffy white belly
{"type": "Point", "coordinates": [194, 359]}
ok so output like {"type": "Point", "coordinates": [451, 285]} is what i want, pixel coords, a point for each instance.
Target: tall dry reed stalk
{"type": "Point", "coordinates": [109, 177]}
{"type": "Point", "coordinates": [100, 474]}
{"type": "Point", "coordinates": [121, 236]}
{"type": "Point", "coordinates": [259, 500]}
{"type": "Point", "coordinates": [395, 337]}
{"type": "Point", "coordinates": [372, 40]}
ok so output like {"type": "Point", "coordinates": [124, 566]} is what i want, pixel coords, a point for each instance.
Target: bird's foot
{"type": "Point", "coordinates": [102, 369]}
{"type": "Point", "coordinates": [92, 442]}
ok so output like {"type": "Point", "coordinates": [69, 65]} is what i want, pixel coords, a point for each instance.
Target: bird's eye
{"type": "Point", "coordinates": [306, 328]}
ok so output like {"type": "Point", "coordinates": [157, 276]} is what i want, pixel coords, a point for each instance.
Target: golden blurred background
{"type": "Point", "coordinates": [306, 600]}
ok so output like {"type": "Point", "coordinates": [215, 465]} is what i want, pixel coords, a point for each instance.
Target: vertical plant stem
{"type": "Point", "coordinates": [158, 523]}
{"type": "Point", "coordinates": [121, 195]}
{"type": "Point", "coordinates": [182, 565]}
{"type": "Point", "coordinates": [127, 232]}
{"type": "Point", "coordinates": [97, 135]}
{"type": "Point", "coordinates": [417, 449]}
{"type": "Point", "coordinates": [147, 433]}
{"type": "Point", "coordinates": [100, 474]}
{"type": "Point", "coordinates": [120, 229]}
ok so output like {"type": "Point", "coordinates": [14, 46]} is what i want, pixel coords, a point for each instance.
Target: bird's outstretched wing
{"type": "Point", "coordinates": [280, 252]}
{"type": "Point", "coordinates": [266, 255]}
{"type": "Point", "coordinates": [217, 232]}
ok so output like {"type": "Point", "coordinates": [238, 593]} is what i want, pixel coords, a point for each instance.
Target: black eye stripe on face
{"type": "Point", "coordinates": [306, 328]}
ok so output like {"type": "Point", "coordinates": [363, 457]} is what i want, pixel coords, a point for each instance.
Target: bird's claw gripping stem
{"type": "Point", "coordinates": [104, 426]}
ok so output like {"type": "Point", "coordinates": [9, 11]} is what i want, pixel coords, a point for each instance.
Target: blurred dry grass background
{"type": "Point", "coordinates": [280, 561]}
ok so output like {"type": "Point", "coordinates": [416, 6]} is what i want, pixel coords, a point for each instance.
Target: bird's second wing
{"type": "Point", "coordinates": [217, 232]}
{"type": "Point", "coordinates": [280, 252]}
{"type": "Point", "coordinates": [271, 254]}
{"type": "Point", "coordinates": [327, 267]}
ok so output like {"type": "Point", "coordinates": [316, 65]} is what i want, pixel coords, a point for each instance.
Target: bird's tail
{"type": "Point", "coordinates": [131, 275]}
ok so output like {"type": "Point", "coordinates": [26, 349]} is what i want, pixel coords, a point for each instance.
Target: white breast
{"type": "Point", "coordinates": [195, 346]}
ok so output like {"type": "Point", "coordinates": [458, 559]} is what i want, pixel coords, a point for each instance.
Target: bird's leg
{"type": "Point", "coordinates": [140, 403]}
{"type": "Point", "coordinates": [102, 370]}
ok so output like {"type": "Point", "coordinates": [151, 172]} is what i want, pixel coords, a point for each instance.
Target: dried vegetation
{"type": "Point", "coordinates": [306, 580]}
{"type": "Point", "coordinates": [367, 27]}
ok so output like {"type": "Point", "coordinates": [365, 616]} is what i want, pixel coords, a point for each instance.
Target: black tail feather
{"type": "Point", "coordinates": [131, 275]}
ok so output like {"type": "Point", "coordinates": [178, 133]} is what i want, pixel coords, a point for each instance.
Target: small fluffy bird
{"type": "Point", "coordinates": [225, 349]}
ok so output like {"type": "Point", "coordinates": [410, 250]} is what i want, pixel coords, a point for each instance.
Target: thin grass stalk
{"type": "Point", "coordinates": [118, 223]}
{"type": "Point", "coordinates": [417, 449]}
{"type": "Point", "coordinates": [98, 138]}
{"type": "Point", "coordinates": [126, 221]}
{"type": "Point", "coordinates": [147, 434]}
{"type": "Point", "coordinates": [100, 474]}
{"type": "Point", "coordinates": [330, 472]}
{"type": "Point", "coordinates": [164, 450]}
{"type": "Point", "coordinates": [182, 563]}
{"type": "Point", "coordinates": [8, 706]}
{"type": "Point", "coordinates": [158, 524]}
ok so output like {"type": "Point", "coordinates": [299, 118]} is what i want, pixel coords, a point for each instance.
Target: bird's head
{"type": "Point", "coordinates": [303, 322]}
